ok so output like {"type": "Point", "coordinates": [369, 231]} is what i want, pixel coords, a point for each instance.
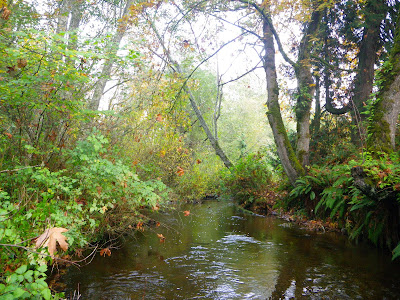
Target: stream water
{"type": "Point", "coordinates": [218, 252]}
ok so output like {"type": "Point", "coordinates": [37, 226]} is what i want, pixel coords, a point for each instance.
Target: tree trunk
{"type": "Point", "coordinates": [290, 163]}
{"type": "Point", "coordinates": [375, 12]}
{"type": "Point", "coordinates": [177, 68]}
{"type": "Point", "coordinates": [108, 63]}
{"type": "Point", "coordinates": [305, 90]}
{"type": "Point", "coordinates": [386, 109]}
{"type": "Point", "coordinates": [316, 122]}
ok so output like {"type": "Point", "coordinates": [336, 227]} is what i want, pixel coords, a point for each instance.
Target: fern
{"type": "Point", "coordinates": [396, 252]}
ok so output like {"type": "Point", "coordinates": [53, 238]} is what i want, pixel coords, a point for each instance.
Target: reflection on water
{"type": "Point", "coordinates": [218, 253]}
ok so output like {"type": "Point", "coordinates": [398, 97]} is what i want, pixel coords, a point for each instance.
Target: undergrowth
{"type": "Point", "coordinates": [330, 192]}
{"type": "Point", "coordinates": [95, 194]}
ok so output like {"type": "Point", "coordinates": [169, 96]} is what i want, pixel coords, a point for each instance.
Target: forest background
{"type": "Point", "coordinates": [111, 109]}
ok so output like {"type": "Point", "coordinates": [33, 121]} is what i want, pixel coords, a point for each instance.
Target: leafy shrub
{"type": "Point", "coordinates": [96, 194]}
{"type": "Point", "coordinates": [248, 180]}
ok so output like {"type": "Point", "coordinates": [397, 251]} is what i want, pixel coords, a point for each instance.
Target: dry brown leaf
{"type": "Point", "coordinates": [49, 239]}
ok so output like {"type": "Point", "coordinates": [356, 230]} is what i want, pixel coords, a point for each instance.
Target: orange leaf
{"type": "Point", "coordinates": [161, 237]}
{"type": "Point", "coordinates": [139, 226]}
{"type": "Point", "coordinates": [159, 118]}
{"type": "Point", "coordinates": [9, 135]}
{"type": "Point", "coordinates": [186, 213]}
{"type": "Point", "coordinates": [105, 251]}
{"type": "Point", "coordinates": [180, 171]}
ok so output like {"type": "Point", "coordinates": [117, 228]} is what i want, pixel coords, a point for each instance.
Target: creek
{"type": "Point", "coordinates": [220, 252]}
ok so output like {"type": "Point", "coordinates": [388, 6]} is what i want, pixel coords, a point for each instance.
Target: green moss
{"type": "Point", "coordinates": [378, 130]}
{"type": "Point", "coordinates": [274, 110]}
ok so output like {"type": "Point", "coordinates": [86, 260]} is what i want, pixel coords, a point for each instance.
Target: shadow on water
{"type": "Point", "coordinates": [217, 252]}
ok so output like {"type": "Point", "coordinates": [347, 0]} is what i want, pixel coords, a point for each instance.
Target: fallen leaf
{"type": "Point", "coordinates": [186, 213]}
{"type": "Point", "coordinates": [50, 238]}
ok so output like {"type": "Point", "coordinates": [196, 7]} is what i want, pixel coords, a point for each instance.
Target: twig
{"type": "Point", "coordinates": [16, 170]}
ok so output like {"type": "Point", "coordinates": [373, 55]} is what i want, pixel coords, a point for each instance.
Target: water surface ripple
{"type": "Point", "coordinates": [217, 252]}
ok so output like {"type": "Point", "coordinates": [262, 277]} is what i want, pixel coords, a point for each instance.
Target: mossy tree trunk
{"type": "Point", "coordinates": [290, 163]}
{"type": "Point", "coordinates": [375, 12]}
{"type": "Point", "coordinates": [386, 109]}
{"type": "Point", "coordinates": [305, 88]}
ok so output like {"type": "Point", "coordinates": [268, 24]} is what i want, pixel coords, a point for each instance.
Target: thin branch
{"type": "Point", "coordinates": [206, 59]}
{"type": "Point", "coordinates": [267, 18]}
{"type": "Point", "coordinates": [237, 25]}
{"type": "Point", "coordinates": [16, 170]}
{"type": "Point", "coordinates": [244, 74]}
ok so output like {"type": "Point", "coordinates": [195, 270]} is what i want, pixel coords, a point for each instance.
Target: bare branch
{"type": "Point", "coordinates": [244, 74]}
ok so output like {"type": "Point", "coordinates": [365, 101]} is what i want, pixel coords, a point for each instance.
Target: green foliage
{"type": "Point", "coordinates": [330, 192]}
{"type": "Point", "coordinates": [248, 180]}
{"type": "Point", "coordinates": [96, 194]}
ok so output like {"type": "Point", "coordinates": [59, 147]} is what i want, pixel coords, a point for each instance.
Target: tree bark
{"type": "Point", "coordinates": [316, 122]}
{"type": "Point", "coordinates": [305, 90]}
{"type": "Point", "coordinates": [386, 109]}
{"type": "Point", "coordinates": [177, 68]}
{"type": "Point", "coordinates": [375, 12]}
{"type": "Point", "coordinates": [287, 156]}
{"type": "Point", "coordinates": [108, 63]}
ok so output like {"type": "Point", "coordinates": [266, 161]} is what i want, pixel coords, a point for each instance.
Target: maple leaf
{"type": "Point", "coordinates": [50, 238]}
{"type": "Point", "coordinates": [105, 251]}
